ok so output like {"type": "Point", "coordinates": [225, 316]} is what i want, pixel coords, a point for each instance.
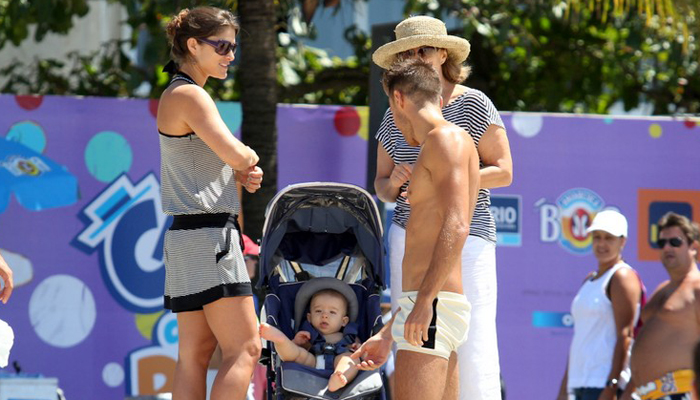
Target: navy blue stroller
{"type": "Point", "coordinates": [320, 230]}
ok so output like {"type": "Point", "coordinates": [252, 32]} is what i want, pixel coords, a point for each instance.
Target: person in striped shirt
{"type": "Point", "coordinates": [426, 38]}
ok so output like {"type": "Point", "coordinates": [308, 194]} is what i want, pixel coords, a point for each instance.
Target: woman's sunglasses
{"type": "Point", "coordinates": [421, 52]}
{"type": "Point", "coordinates": [221, 47]}
{"type": "Point", "coordinates": [674, 242]}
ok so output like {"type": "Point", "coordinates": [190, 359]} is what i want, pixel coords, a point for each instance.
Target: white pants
{"type": "Point", "coordinates": [479, 370]}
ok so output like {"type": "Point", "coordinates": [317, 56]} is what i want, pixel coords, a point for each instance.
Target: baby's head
{"type": "Point", "coordinates": [328, 311]}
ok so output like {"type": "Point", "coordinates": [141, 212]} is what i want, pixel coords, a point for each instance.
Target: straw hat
{"type": "Point", "coordinates": [421, 31]}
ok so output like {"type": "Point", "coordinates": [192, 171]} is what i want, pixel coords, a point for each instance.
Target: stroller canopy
{"type": "Point", "coordinates": [315, 223]}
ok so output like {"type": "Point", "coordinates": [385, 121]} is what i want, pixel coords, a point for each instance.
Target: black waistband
{"type": "Point", "coordinates": [196, 221]}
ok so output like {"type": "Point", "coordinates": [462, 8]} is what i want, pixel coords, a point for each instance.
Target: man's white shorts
{"type": "Point", "coordinates": [448, 328]}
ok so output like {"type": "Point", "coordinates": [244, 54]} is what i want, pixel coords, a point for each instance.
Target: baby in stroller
{"type": "Point", "coordinates": [327, 338]}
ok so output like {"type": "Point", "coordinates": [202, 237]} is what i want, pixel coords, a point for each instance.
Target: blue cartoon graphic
{"type": "Point", "coordinates": [126, 224]}
{"type": "Point", "coordinates": [37, 182]}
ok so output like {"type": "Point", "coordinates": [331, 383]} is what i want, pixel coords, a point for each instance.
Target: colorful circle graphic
{"type": "Point", "coordinates": [29, 134]}
{"type": "Point", "coordinates": [347, 121]}
{"type": "Point", "coordinates": [153, 107]}
{"type": "Point", "coordinates": [113, 374]}
{"type": "Point", "coordinates": [62, 311]}
{"type": "Point", "coordinates": [108, 155]}
{"type": "Point", "coordinates": [146, 322]}
{"type": "Point", "coordinates": [232, 115]}
{"type": "Point", "coordinates": [655, 131]}
{"type": "Point", "coordinates": [527, 125]}
{"type": "Point", "coordinates": [363, 112]}
{"type": "Point", "coordinates": [29, 102]}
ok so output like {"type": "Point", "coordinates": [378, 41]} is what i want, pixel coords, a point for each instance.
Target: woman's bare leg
{"type": "Point", "coordinates": [235, 326]}
{"type": "Point", "coordinates": [195, 347]}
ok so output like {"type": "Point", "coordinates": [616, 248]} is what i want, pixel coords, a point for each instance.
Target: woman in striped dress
{"type": "Point", "coordinates": [469, 108]}
{"type": "Point", "coordinates": [206, 281]}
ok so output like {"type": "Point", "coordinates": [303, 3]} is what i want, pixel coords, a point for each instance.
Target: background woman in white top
{"type": "Point", "coordinates": [605, 312]}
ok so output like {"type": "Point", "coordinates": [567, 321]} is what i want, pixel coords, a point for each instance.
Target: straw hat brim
{"type": "Point", "coordinates": [457, 48]}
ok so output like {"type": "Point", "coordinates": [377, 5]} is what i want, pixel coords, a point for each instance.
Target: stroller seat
{"type": "Point", "coordinates": [313, 230]}
{"type": "Point", "coordinates": [311, 383]}
{"type": "Point", "coordinates": [286, 309]}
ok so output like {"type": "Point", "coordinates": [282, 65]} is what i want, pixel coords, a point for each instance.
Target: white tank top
{"type": "Point", "coordinates": [591, 353]}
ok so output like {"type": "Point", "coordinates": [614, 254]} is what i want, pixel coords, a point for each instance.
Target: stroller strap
{"type": "Point", "coordinates": [319, 346]}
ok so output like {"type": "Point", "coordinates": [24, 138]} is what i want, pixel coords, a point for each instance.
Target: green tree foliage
{"type": "Point", "coordinates": [48, 15]}
{"type": "Point", "coordinates": [566, 55]}
{"type": "Point", "coordinates": [306, 74]}
{"type": "Point", "coordinates": [540, 56]}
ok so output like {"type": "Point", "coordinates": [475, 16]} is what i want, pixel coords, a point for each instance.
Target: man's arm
{"type": "Point", "coordinates": [448, 164]}
{"type": "Point", "coordinates": [448, 160]}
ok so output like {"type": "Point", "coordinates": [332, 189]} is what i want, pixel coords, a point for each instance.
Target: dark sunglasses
{"type": "Point", "coordinates": [674, 242]}
{"type": "Point", "coordinates": [420, 52]}
{"type": "Point", "coordinates": [221, 47]}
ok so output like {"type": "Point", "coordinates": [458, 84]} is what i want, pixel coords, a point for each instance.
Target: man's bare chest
{"type": "Point", "coordinates": [421, 191]}
{"type": "Point", "coordinates": [672, 305]}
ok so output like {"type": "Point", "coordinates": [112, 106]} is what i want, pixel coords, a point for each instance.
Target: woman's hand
{"type": "Point", "coordinates": [251, 178]}
{"type": "Point", "coordinates": [401, 174]}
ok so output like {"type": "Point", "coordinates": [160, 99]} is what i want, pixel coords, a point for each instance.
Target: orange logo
{"type": "Point", "coordinates": [653, 204]}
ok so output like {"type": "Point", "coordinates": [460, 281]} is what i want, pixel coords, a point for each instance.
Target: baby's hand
{"type": "Point", "coordinates": [356, 345]}
{"type": "Point", "coordinates": [302, 338]}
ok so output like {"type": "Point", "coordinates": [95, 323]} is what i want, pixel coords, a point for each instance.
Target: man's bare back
{"type": "Point", "coordinates": [447, 147]}
{"type": "Point", "coordinates": [671, 328]}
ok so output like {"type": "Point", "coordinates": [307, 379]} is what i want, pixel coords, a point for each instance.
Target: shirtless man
{"type": "Point", "coordinates": [662, 356]}
{"type": "Point", "coordinates": [433, 318]}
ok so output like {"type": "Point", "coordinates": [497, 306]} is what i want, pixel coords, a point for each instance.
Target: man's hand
{"type": "Point", "coordinates": [302, 339]}
{"type": "Point", "coordinates": [373, 353]}
{"type": "Point", "coordinates": [251, 178]}
{"type": "Point", "coordinates": [6, 275]}
{"type": "Point", "coordinates": [401, 174]}
{"type": "Point", "coordinates": [416, 326]}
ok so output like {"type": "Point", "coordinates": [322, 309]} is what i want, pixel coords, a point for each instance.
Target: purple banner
{"type": "Point", "coordinates": [80, 224]}
{"type": "Point", "coordinates": [566, 168]}
{"type": "Point", "coordinates": [87, 253]}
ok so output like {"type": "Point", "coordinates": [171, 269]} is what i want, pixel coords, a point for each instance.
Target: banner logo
{"type": "Point", "coordinates": [20, 166]}
{"type": "Point", "coordinates": [567, 219]}
{"type": "Point", "coordinates": [126, 224]}
{"type": "Point", "coordinates": [654, 204]}
{"type": "Point", "coordinates": [550, 319]}
{"type": "Point", "coordinates": [506, 211]}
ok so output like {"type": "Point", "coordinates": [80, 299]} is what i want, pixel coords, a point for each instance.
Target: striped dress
{"type": "Point", "coordinates": [473, 112]}
{"type": "Point", "coordinates": [202, 264]}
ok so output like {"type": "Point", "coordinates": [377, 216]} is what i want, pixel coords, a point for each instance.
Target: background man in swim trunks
{"type": "Point", "coordinates": [433, 318]}
{"type": "Point", "coordinates": [662, 356]}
